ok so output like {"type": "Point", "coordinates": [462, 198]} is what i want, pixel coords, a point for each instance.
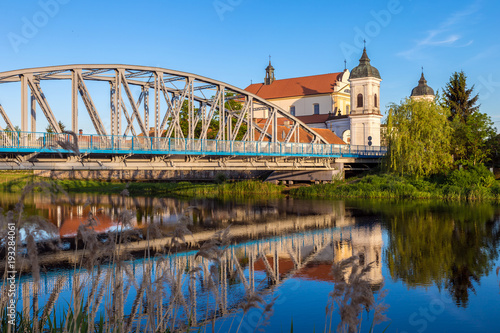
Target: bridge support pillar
{"type": "Point", "coordinates": [308, 176]}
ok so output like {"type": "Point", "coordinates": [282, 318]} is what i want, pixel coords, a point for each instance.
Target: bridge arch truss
{"type": "Point", "coordinates": [152, 102]}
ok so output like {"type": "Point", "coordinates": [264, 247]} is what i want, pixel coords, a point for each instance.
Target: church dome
{"type": "Point", "coordinates": [364, 69]}
{"type": "Point", "coordinates": [422, 89]}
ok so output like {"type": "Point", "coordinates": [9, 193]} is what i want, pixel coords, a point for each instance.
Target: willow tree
{"type": "Point", "coordinates": [419, 136]}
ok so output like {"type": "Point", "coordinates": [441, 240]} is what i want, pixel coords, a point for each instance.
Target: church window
{"type": "Point", "coordinates": [316, 108]}
{"type": "Point", "coordinates": [292, 110]}
{"type": "Point", "coordinates": [375, 100]}
{"type": "Point", "coordinates": [360, 100]}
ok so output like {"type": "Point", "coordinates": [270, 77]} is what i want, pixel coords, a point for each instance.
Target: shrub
{"type": "Point", "coordinates": [472, 175]}
{"type": "Point", "coordinates": [220, 178]}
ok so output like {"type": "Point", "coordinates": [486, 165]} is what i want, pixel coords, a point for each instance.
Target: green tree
{"type": "Point", "coordinates": [472, 141]}
{"type": "Point", "coordinates": [49, 128]}
{"type": "Point", "coordinates": [473, 132]}
{"type": "Point", "coordinates": [16, 129]}
{"type": "Point", "coordinates": [458, 98]}
{"type": "Point", "coordinates": [232, 104]}
{"type": "Point", "coordinates": [418, 135]}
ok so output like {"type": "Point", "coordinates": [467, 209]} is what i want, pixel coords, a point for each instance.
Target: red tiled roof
{"type": "Point", "coordinates": [314, 118]}
{"type": "Point", "coordinates": [297, 86]}
{"type": "Point", "coordinates": [329, 136]}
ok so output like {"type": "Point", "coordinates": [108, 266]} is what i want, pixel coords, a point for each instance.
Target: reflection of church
{"type": "Point", "coordinates": [364, 242]}
{"type": "Point", "coordinates": [347, 103]}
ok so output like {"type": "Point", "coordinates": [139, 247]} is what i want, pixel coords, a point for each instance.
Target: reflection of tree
{"type": "Point", "coordinates": [475, 247]}
{"type": "Point", "coordinates": [451, 247]}
{"type": "Point", "coordinates": [418, 251]}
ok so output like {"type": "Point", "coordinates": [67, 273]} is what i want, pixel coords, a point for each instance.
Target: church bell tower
{"type": "Point", "coordinates": [269, 74]}
{"type": "Point", "coordinates": [365, 103]}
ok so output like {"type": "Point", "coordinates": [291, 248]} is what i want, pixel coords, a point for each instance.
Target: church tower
{"type": "Point", "coordinates": [365, 103]}
{"type": "Point", "coordinates": [269, 74]}
{"type": "Point", "coordinates": [422, 92]}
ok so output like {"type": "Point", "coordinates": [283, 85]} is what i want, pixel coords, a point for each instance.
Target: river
{"type": "Point", "coordinates": [433, 264]}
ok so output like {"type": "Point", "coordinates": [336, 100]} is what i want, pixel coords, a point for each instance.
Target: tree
{"type": "Point", "coordinates": [472, 131]}
{"type": "Point", "coordinates": [16, 129]}
{"type": "Point", "coordinates": [458, 98]}
{"type": "Point", "coordinates": [419, 135]}
{"type": "Point", "coordinates": [49, 128]}
{"type": "Point", "coordinates": [472, 140]}
{"type": "Point", "coordinates": [232, 104]}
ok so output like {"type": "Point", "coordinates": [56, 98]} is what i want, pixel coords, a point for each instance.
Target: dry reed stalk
{"type": "Point", "coordinates": [100, 295]}
{"type": "Point", "coordinates": [35, 306]}
{"type": "Point", "coordinates": [136, 303]}
{"type": "Point", "coordinates": [351, 295]}
{"type": "Point", "coordinates": [54, 295]}
{"type": "Point", "coordinates": [93, 290]}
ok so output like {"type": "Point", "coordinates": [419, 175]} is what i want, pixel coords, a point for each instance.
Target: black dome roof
{"type": "Point", "coordinates": [422, 89]}
{"type": "Point", "coordinates": [364, 69]}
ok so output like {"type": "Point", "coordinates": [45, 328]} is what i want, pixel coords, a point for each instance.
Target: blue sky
{"type": "Point", "coordinates": [230, 40]}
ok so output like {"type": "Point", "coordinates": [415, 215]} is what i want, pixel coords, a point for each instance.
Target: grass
{"type": "Point", "coordinates": [460, 185]}
{"type": "Point", "coordinates": [15, 182]}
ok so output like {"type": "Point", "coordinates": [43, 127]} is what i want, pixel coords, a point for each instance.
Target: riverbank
{"type": "Point", "coordinates": [473, 184]}
{"type": "Point", "coordinates": [14, 182]}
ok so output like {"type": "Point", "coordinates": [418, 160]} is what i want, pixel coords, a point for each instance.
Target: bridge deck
{"type": "Point", "coordinates": [31, 142]}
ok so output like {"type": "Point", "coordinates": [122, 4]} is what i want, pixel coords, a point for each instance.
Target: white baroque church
{"type": "Point", "coordinates": [347, 103]}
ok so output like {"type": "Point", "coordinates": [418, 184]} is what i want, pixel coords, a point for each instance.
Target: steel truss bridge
{"type": "Point", "coordinates": [157, 118]}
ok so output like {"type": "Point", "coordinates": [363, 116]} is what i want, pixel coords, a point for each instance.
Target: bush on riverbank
{"type": "Point", "coordinates": [471, 183]}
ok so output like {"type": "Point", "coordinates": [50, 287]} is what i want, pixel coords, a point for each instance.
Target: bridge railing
{"type": "Point", "coordinates": [92, 143]}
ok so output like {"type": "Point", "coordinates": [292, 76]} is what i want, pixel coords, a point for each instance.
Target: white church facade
{"type": "Point", "coordinates": [347, 103]}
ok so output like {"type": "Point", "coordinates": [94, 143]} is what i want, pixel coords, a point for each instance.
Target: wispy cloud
{"type": "Point", "coordinates": [444, 34]}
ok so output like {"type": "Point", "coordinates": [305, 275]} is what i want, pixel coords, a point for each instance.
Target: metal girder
{"type": "Point", "coordinates": [74, 101]}
{"type": "Point", "coordinates": [44, 75]}
{"type": "Point", "coordinates": [291, 132]}
{"type": "Point", "coordinates": [6, 118]}
{"type": "Point", "coordinates": [170, 106]}
{"type": "Point", "coordinates": [94, 72]}
{"type": "Point", "coordinates": [89, 104]}
{"type": "Point", "coordinates": [206, 120]}
{"type": "Point", "coordinates": [137, 105]}
{"type": "Point", "coordinates": [241, 118]}
{"type": "Point", "coordinates": [266, 126]}
{"type": "Point", "coordinates": [177, 106]}
{"type": "Point", "coordinates": [222, 115]}
{"type": "Point", "coordinates": [36, 91]}
{"type": "Point", "coordinates": [135, 108]}
{"type": "Point", "coordinates": [129, 121]}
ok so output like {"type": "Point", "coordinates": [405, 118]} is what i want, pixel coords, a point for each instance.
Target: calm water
{"type": "Point", "coordinates": [437, 261]}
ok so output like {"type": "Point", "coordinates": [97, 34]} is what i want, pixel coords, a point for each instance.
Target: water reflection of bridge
{"type": "Point", "coordinates": [256, 266]}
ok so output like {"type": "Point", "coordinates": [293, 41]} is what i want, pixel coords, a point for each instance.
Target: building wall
{"type": "Point", "coordinates": [428, 98]}
{"type": "Point", "coordinates": [363, 126]}
{"type": "Point", "coordinates": [304, 104]}
{"type": "Point", "coordinates": [339, 126]}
